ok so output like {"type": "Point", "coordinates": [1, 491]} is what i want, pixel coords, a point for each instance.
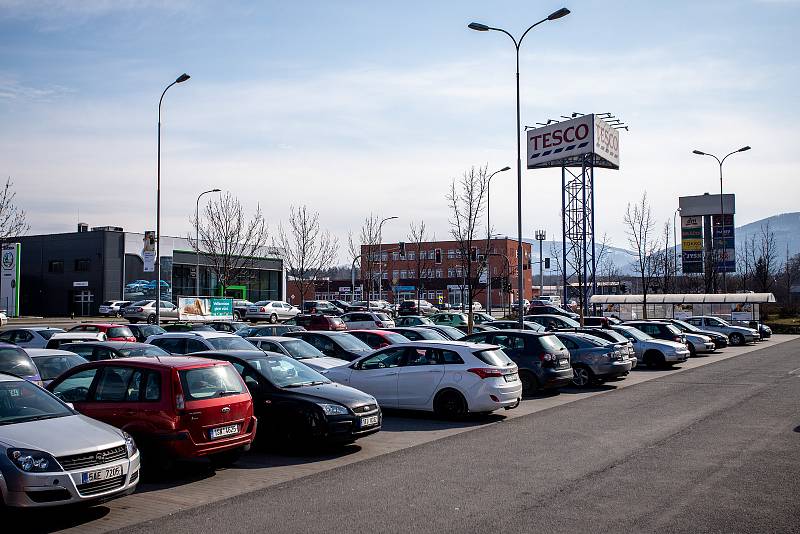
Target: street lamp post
{"type": "Point", "coordinates": [541, 235]}
{"type": "Point", "coordinates": [380, 259]}
{"type": "Point", "coordinates": [489, 239]}
{"type": "Point", "coordinates": [483, 28]}
{"type": "Point", "coordinates": [675, 246]}
{"type": "Point", "coordinates": [721, 208]}
{"type": "Point", "coordinates": [180, 79]}
{"type": "Point", "coordinates": [197, 238]}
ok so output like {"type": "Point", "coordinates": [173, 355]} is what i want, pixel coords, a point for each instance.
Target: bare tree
{"type": "Point", "coordinates": [307, 249]}
{"type": "Point", "coordinates": [13, 221]}
{"type": "Point", "coordinates": [764, 270]}
{"type": "Point", "coordinates": [417, 237]}
{"type": "Point", "coordinates": [229, 240]}
{"type": "Point", "coordinates": [639, 228]}
{"type": "Point", "coordinates": [466, 199]}
{"type": "Point", "coordinates": [367, 248]}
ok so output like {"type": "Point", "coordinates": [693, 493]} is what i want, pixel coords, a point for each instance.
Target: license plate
{"type": "Point", "coordinates": [511, 378]}
{"type": "Point", "coordinates": [371, 420]}
{"type": "Point", "coordinates": [101, 474]}
{"type": "Point", "coordinates": [563, 364]}
{"type": "Point", "coordinates": [223, 431]}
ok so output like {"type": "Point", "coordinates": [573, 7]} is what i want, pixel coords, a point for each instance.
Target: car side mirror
{"type": "Point", "coordinates": [72, 406]}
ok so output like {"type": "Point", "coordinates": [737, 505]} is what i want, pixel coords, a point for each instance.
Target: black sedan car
{"type": "Point", "coordinates": [107, 350]}
{"type": "Point", "coordinates": [334, 344]}
{"type": "Point", "coordinates": [231, 327]}
{"type": "Point", "coordinates": [416, 333]}
{"type": "Point", "coordinates": [505, 324]}
{"type": "Point", "coordinates": [720, 340]}
{"type": "Point", "coordinates": [296, 405]}
{"type": "Point", "coordinates": [268, 330]}
{"type": "Point", "coordinates": [143, 331]}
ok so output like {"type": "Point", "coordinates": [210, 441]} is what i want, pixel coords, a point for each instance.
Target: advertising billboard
{"type": "Point", "coordinates": [205, 309]}
{"type": "Point", "coordinates": [692, 244]}
{"type": "Point", "coordinates": [9, 283]}
{"type": "Point", "coordinates": [724, 242]}
{"type": "Point", "coordinates": [563, 142]}
{"type": "Point", "coordinates": [149, 251]}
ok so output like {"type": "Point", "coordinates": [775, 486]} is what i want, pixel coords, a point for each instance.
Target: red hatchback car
{"type": "Point", "coordinates": [318, 321]}
{"type": "Point", "coordinates": [113, 332]}
{"type": "Point", "coordinates": [179, 407]}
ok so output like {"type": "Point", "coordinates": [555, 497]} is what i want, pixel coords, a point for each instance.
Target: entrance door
{"type": "Point", "coordinates": [82, 302]}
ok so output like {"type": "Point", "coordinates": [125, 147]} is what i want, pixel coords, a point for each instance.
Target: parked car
{"type": "Point", "coordinates": [602, 322]}
{"type": "Point", "coordinates": [145, 310]}
{"type": "Point", "coordinates": [33, 337]}
{"type": "Point", "coordinates": [451, 379]}
{"type": "Point", "coordinates": [188, 327]}
{"type": "Point", "coordinates": [296, 405]}
{"type": "Point", "coordinates": [417, 333]}
{"type": "Point", "coordinates": [481, 317]}
{"type": "Point", "coordinates": [240, 308]}
{"type": "Point", "coordinates": [269, 330]}
{"type": "Point", "coordinates": [339, 345]}
{"type": "Point", "coordinates": [411, 320]}
{"type": "Point", "coordinates": [506, 324]}
{"type": "Point", "coordinates": [51, 455]}
{"type": "Point", "coordinates": [409, 307]}
{"type": "Point", "coordinates": [763, 330]}
{"type": "Point", "coordinates": [273, 311]}
{"type": "Point", "coordinates": [543, 361]}
{"type": "Point", "coordinates": [553, 322]}
{"type": "Point", "coordinates": [449, 332]}
{"type": "Point", "coordinates": [476, 328]}
{"type": "Point", "coordinates": [653, 352]}
{"type": "Point", "coordinates": [720, 340]}
{"type": "Point", "coordinates": [298, 349]}
{"type": "Point", "coordinates": [319, 321]}
{"type": "Point", "coordinates": [108, 350]}
{"type": "Point", "coordinates": [113, 308]}
{"type": "Point", "coordinates": [593, 359]}
{"type": "Point", "coordinates": [737, 335]}
{"type": "Point", "coordinates": [230, 327]}
{"type": "Point", "coordinates": [52, 362]}
{"type": "Point", "coordinates": [321, 306]}
{"type": "Point", "coordinates": [150, 399]}
{"type": "Point", "coordinates": [377, 339]}
{"type": "Point", "coordinates": [614, 337]}
{"type": "Point", "coordinates": [347, 306]}
{"type": "Point", "coordinates": [113, 332]}
{"type": "Point", "coordinates": [14, 360]}
{"type": "Point", "coordinates": [696, 343]}
{"type": "Point", "coordinates": [367, 319]}
{"type": "Point", "coordinates": [449, 319]}
{"type": "Point", "coordinates": [188, 342]}
{"type": "Point", "coordinates": [551, 309]}
{"type": "Point", "coordinates": [56, 340]}
{"type": "Point", "coordinates": [142, 331]}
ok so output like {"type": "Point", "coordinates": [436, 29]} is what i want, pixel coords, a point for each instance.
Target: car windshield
{"type": "Point", "coordinates": [143, 303]}
{"type": "Point", "coordinates": [119, 331]}
{"type": "Point", "coordinates": [286, 372]}
{"type": "Point", "coordinates": [349, 342]}
{"type": "Point", "coordinates": [150, 351]}
{"type": "Point", "coordinates": [493, 357]}
{"type": "Point", "coordinates": [22, 401]}
{"type": "Point", "coordinates": [395, 338]}
{"type": "Point", "coordinates": [16, 362]}
{"type": "Point", "coordinates": [230, 343]}
{"type": "Point", "coordinates": [673, 329]}
{"type": "Point", "coordinates": [52, 366]}
{"type": "Point", "coordinates": [151, 330]}
{"type": "Point", "coordinates": [636, 334]}
{"type": "Point", "coordinates": [572, 323]}
{"type": "Point", "coordinates": [47, 334]}
{"type": "Point", "coordinates": [452, 331]}
{"type": "Point", "coordinates": [551, 342]}
{"type": "Point", "coordinates": [301, 350]}
{"type": "Point", "coordinates": [382, 316]}
{"type": "Point", "coordinates": [210, 382]}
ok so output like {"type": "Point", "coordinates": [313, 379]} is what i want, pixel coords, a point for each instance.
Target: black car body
{"type": "Point", "coordinates": [268, 330]}
{"type": "Point", "coordinates": [551, 309]}
{"type": "Point", "coordinates": [543, 361]}
{"type": "Point", "coordinates": [720, 340]}
{"type": "Point", "coordinates": [321, 306]}
{"type": "Point", "coordinates": [505, 324]}
{"type": "Point", "coordinates": [240, 308]}
{"type": "Point", "coordinates": [334, 344]}
{"type": "Point", "coordinates": [659, 330]}
{"type": "Point", "coordinates": [231, 327]}
{"type": "Point", "coordinates": [416, 333]}
{"type": "Point", "coordinates": [108, 350]}
{"type": "Point", "coordinates": [143, 331]}
{"type": "Point", "coordinates": [295, 404]}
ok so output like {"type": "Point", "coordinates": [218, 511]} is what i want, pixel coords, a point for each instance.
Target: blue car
{"type": "Point", "coordinates": [15, 361]}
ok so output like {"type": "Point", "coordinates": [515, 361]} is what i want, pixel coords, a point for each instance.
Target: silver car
{"type": "Point", "coordinates": [52, 362]}
{"type": "Point", "coordinates": [653, 352]}
{"type": "Point", "coordinates": [29, 337]}
{"type": "Point", "coordinates": [271, 310]}
{"type": "Point", "coordinates": [298, 349]}
{"type": "Point", "coordinates": [145, 310]}
{"type": "Point", "coordinates": [51, 455]}
{"type": "Point", "coordinates": [737, 335]}
{"type": "Point", "coordinates": [112, 308]}
{"type": "Point", "coordinates": [594, 360]}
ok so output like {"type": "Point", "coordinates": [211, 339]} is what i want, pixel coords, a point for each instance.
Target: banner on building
{"type": "Point", "coordinates": [205, 309]}
{"type": "Point", "coordinates": [692, 244]}
{"type": "Point", "coordinates": [9, 281]}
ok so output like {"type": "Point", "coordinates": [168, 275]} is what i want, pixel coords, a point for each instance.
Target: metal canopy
{"type": "Point", "coordinates": [686, 298]}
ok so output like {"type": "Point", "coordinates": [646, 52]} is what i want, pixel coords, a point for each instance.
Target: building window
{"type": "Point", "coordinates": [410, 254]}
{"type": "Point", "coordinates": [395, 256]}
{"type": "Point", "coordinates": [395, 274]}
{"type": "Point", "coordinates": [82, 265]}
{"type": "Point", "coordinates": [55, 266]}
{"type": "Point", "coordinates": [437, 256]}
{"type": "Point", "coordinates": [438, 273]}
{"type": "Point", "coordinates": [451, 254]}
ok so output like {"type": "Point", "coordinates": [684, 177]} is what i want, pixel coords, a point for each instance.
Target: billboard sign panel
{"type": "Point", "coordinates": [205, 309]}
{"type": "Point", "coordinates": [692, 244]}
{"type": "Point", "coordinates": [9, 282]}
{"type": "Point", "coordinates": [149, 251]}
{"type": "Point", "coordinates": [563, 142]}
{"type": "Point", "coordinates": [606, 141]}
{"type": "Point", "coordinates": [725, 242]}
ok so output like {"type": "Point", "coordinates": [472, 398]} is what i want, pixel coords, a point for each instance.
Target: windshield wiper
{"type": "Point", "coordinates": [302, 384]}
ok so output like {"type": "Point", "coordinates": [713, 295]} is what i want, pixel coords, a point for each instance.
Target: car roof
{"type": "Point", "coordinates": [96, 336]}
{"type": "Point", "coordinates": [446, 343]}
{"type": "Point", "coordinates": [272, 338]}
{"type": "Point", "coordinates": [41, 353]}
{"type": "Point", "coordinates": [110, 344]}
{"type": "Point", "coordinates": [8, 377]}
{"type": "Point", "coordinates": [517, 331]}
{"type": "Point", "coordinates": [43, 327]}
{"type": "Point", "coordinates": [241, 354]}
{"type": "Point", "coordinates": [328, 333]}
{"type": "Point", "coordinates": [105, 325]}
{"type": "Point", "coordinates": [175, 362]}
{"type": "Point", "coordinates": [371, 331]}
{"type": "Point", "coordinates": [197, 333]}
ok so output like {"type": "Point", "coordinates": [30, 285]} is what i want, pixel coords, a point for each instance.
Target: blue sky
{"type": "Point", "coordinates": [358, 107]}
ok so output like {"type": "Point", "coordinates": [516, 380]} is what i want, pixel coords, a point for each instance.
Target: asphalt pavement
{"type": "Point", "coordinates": [709, 449]}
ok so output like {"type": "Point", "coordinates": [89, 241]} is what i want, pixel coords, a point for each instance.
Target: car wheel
{"type": "Point", "coordinates": [450, 404]}
{"type": "Point", "coordinates": [692, 351]}
{"type": "Point", "coordinates": [654, 359]}
{"type": "Point", "coordinates": [582, 377]}
{"type": "Point", "coordinates": [227, 458]}
{"type": "Point", "coordinates": [237, 316]}
{"type": "Point", "coordinates": [273, 318]}
{"type": "Point", "coordinates": [151, 319]}
{"type": "Point", "coordinates": [530, 384]}
{"type": "Point", "coordinates": [737, 339]}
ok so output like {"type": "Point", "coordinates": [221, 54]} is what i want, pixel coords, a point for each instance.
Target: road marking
{"type": "Point", "coordinates": [796, 371]}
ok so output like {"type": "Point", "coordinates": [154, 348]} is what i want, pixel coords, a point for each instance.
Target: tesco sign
{"type": "Point", "coordinates": [563, 142]}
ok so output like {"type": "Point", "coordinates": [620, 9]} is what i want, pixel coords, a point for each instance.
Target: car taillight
{"type": "Point", "coordinates": [547, 357]}
{"type": "Point", "coordinates": [379, 324]}
{"type": "Point", "coordinates": [486, 373]}
{"type": "Point", "coordinates": [678, 339]}
{"type": "Point", "coordinates": [263, 309]}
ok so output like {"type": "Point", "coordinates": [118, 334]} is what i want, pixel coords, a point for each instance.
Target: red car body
{"type": "Point", "coordinates": [164, 414]}
{"type": "Point", "coordinates": [318, 321]}
{"type": "Point", "coordinates": [114, 332]}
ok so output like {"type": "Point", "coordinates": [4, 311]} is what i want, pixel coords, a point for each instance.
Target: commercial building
{"type": "Point", "coordinates": [73, 273]}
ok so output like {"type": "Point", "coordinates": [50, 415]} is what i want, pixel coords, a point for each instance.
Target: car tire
{"type": "Point", "coordinates": [654, 359]}
{"type": "Point", "coordinates": [226, 458]}
{"type": "Point", "coordinates": [530, 384]}
{"type": "Point", "coordinates": [736, 339]}
{"type": "Point", "coordinates": [450, 404]}
{"type": "Point", "coordinates": [151, 319]}
{"type": "Point", "coordinates": [692, 351]}
{"type": "Point", "coordinates": [582, 376]}
{"type": "Point", "coordinates": [237, 316]}
{"type": "Point", "coordinates": [273, 319]}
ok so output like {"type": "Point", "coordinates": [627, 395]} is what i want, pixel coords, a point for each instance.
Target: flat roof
{"type": "Point", "coordinates": [686, 298]}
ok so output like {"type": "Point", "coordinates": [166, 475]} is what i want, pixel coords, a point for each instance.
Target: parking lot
{"type": "Point", "coordinates": [195, 484]}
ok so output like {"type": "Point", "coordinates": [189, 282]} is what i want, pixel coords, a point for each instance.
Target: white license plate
{"type": "Point", "coordinates": [221, 432]}
{"type": "Point", "coordinates": [371, 420]}
{"type": "Point", "coordinates": [511, 378]}
{"type": "Point", "coordinates": [101, 474]}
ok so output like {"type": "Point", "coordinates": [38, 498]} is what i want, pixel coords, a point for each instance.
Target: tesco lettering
{"type": "Point", "coordinates": [557, 137]}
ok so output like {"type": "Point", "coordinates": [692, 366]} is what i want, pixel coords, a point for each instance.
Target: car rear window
{"type": "Point", "coordinates": [551, 343]}
{"type": "Point", "coordinates": [230, 343]}
{"type": "Point", "coordinates": [382, 316]}
{"type": "Point", "coordinates": [210, 382]}
{"type": "Point", "coordinates": [52, 366]}
{"type": "Point", "coordinates": [396, 338]}
{"type": "Point", "coordinates": [150, 351]}
{"type": "Point", "coordinates": [494, 357]}
{"type": "Point", "coordinates": [17, 362]}
{"type": "Point", "coordinates": [349, 342]}
{"type": "Point", "coordinates": [119, 331]}
{"type": "Point", "coordinates": [47, 334]}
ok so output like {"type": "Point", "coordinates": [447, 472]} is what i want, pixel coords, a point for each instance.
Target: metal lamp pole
{"type": "Point", "coordinates": [489, 239]}
{"type": "Point", "coordinates": [180, 79]}
{"type": "Point", "coordinates": [483, 28]}
{"type": "Point", "coordinates": [380, 259]}
{"type": "Point", "coordinates": [721, 207]}
{"type": "Point", "coordinates": [197, 237]}
{"type": "Point", "coordinates": [541, 235]}
{"type": "Point", "coordinates": [675, 245]}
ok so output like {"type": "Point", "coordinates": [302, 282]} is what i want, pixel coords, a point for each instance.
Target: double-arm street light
{"type": "Point", "coordinates": [721, 252]}
{"type": "Point", "coordinates": [180, 79]}
{"type": "Point", "coordinates": [380, 258]}
{"type": "Point", "coordinates": [483, 28]}
{"type": "Point", "coordinates": [197, 237]}
{"type": "Point", "coordinates": [489, 238]}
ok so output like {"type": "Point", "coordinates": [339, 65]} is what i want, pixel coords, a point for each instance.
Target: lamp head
{"type": "Point", "coordinates": [698, 152]}
{"type": "Point", "coordinates": [563, 12]}
{"type": "Point", "coordinates": [744, 149]}
{"type": "Point", "coordinates": [182, 78]}
{"type": "Point", "coordinates": [478, 27]}
{"type": "Point", "coordinates": [216, 190]}
{"type": "Point", "coordinates": [506, 168]}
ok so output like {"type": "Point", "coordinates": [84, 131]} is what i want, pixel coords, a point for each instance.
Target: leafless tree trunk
{"type": "Point", "coordinates": [639, 228]}
{"type": "Point", "coordinates": [765, 268]}
{"type": "Point", "coordinates": [13, 221]}
{"type": "Point", "coordinates": [467, 202]}
{"type": "Point", "coordinates": [307, 249]}
{"type": "Point", "coordinates": [231, 242]}
{"type": "Point", "coordinates": [368, 245]}
{"type": "Point", "coordinates": [417, 237]}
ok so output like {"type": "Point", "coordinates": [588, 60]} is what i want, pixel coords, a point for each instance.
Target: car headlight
{"type": "Point", "coordinates": [32, 461]}
{"type": "Point", "coordinates": [130, 444]}
{"type": "Point", "coordinates": [333, 409]}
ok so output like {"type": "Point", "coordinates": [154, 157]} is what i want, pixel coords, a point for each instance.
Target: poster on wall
{"type": "Point", "coordinates": [149, 251]}
{"type": "Point", "coordinates": [741, 311]}
{"type": "Point", "coordinates": [683, 311]}
{"type": "Point", "coordinates": [611, 310]}
{"type": "Point", "coordinates": [9, 282]}
{"type": "Point", "coordinates": [205, 309]}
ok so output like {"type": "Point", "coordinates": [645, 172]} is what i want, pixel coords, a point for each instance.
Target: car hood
{"type": "Point", "coordinates": [663, 343]}
{"type": "Point", "coordinates": [62, 436]}
{"type": "Point", "coordinates": [338, 393]}
{"type": "Point", "coordinates": [324, 363]}
{"type": "Point", "coordinates": [742, 330]}
{"type": "Point", "coordinates": [696, 337]}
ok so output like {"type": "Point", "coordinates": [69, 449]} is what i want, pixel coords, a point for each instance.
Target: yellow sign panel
{"type": "Point", "coordinates": [692, 244]}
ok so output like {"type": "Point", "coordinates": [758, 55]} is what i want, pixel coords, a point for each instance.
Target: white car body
{"type": "Point", "coordinates": [366, 320]}
{"type": "Point", "coordinates": [271, 310]}
{"type": "Point", "coordinates": [29, 337]}
{"type": "Point", "coordinates": [416, 386]}
{"type": "Point", "coordinates": [734, 333]}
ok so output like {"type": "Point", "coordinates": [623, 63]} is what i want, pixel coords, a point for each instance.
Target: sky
{"type": "Point", "coordinates": [355, 107]}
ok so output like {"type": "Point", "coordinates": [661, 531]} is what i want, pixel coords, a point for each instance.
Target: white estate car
{"type": "Point", "coordinates": [271, 310]}
{"type": "Point", "coordinates": [367, 320]}
{"type": "Point", "coordinates": [447, 377]}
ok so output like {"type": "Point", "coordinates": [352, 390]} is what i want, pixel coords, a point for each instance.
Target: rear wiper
{"type": "Point", "coordinates": [223, 393]}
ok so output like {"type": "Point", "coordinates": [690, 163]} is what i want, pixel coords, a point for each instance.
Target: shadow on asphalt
{"type": "Point", "coordinates": [409, 420]}
{"type": "Point", "coordinates": [570, 390]}
{"type": "Point", "coordinates": [797, 429]}
{"type": "Point", "coordinates": [34, 521]}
